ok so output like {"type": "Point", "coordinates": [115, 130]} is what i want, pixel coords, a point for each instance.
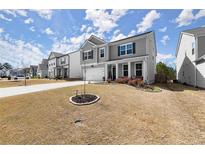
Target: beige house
{"type": "Point", "coordinates": [130, 57]}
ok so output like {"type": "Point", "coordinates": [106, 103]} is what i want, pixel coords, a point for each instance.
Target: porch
{"type": "Point", "coordinates": [62, 72]}
{"type": "Point", "coordinates": [130, 69]}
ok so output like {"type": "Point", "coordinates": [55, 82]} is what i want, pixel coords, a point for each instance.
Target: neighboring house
{"type": "Point", "coordinates": [190, 63]}
{"type": "Point", "coordinates": [130, 57]}
{"type": "Point", "coordinates": [33, 70]}
{"type": "Point", "coordinates": [42, 70]}
{"type": "Point", "coordinates": [58, 65]}
{"type": "Point", "coordinates": [19, 72]}
{"type": "Point", "coordinates": [64, 65]}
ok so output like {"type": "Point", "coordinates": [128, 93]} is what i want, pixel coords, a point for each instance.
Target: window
{"type": "Point", "coordinates": [88, 55]}
{"type": "Point", "coordinates": [129, 49]}
{"type": "Point", "coordinates": [125, 70]}
{"type": "Point", "coordinates": [122, 50]}
{"type": "Point", "coordinates": [102, 52]}
{"type": "Point", "coordinates": [126, 49]}
{"type": "Point", "coordinates": [193, 47]}
{"type": "Point", "coordinates": [138, 70]}
{"type": "Point", "coordinates": [63, 60]}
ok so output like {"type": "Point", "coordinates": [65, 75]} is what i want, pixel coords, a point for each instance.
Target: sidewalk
{"type": "Point", "coordinates": [12, 91]}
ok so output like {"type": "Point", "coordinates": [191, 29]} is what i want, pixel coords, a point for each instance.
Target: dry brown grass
{"type": "Point", "coordinates": [4, 84]}
{"type": "Point", "coordinates": [123, 115]}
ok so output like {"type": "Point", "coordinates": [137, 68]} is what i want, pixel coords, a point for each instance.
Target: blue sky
{"type": "Point", "coordinates": [27, 36]}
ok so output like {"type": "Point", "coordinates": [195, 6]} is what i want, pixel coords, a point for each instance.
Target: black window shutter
{"type": "Point", "coordinates": [91, 54]}
{"type": "Point", "coordinates": [133, 45]}
{"type": "Point", "coordinates": [118, 50]}
{"type": "Point", "coordinates": [83, 56]}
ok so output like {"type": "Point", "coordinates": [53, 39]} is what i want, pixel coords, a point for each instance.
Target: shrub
{"type": "Point", "coordinates": [122, 80]}
{"type": "Point", "coordinates": [119, 80]}
{"type": "Point", "coordinates": [133, 82]}
{"type": "Point", "coordinates": [140, 83]}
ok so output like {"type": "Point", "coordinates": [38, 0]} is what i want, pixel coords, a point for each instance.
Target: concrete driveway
{"type": "Point", "coordinates": [11, 91]}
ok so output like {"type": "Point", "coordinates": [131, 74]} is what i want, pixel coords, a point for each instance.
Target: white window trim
{"type": "Point", "coordinates": [126, 48]}
{"type": "Point", "coordinates": [135, 68]}
{"type": "Point", "coordinates": [87, 55]}
{"type": "Point", "coordinates": [100, 52]}
{"type": "Point", "coordinates": [123, 70]}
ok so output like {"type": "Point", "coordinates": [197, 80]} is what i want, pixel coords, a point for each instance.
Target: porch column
{"type": "Point", "coordinates": [106, 72]}
{"type": "Point", "coordinates": [116, 70]}
{"type": "Point", "coordinates": [129, 69]}
{"type": "Point", "coordinates": [144, 67]}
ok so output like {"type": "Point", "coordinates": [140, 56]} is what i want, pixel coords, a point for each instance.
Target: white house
{"type": "Point", "coordinates": [64, 65]}
{"type": "Point", "coordinates": [129, 57]}
{"type": "Point", "coordinates": [190, 54]}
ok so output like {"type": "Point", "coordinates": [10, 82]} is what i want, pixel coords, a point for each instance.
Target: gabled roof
{"type": "Point", "coordinates": [194, 32]}
{"type": "Point", "coordinates": [132, 36]}
{"type": "Point", "coordinates": [55, 54]}
{"type": "Point", "coordinates": [94, 40]}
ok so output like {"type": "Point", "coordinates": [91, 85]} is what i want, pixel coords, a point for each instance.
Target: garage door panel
{"type": "Point", "coordinates": [95, 74]}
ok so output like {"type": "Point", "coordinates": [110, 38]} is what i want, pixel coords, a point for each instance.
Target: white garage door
{"type": "Point", "coordinates": [95, 74]}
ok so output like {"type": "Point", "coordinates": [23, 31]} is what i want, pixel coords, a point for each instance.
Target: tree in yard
{"type": "Point", "coordinates": [7, 66]}
{"type": "Point", "coordinates": [166, 72]}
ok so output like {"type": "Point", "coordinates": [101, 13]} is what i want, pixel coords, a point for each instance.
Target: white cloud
{"type": "Point", "coordinates": [133, 32]}
{"type": "Point", "coordinates": [148, 21]}
{"type": "Point", "coordinates": [185, 18]}
{"type": "Point", "coordinates": [103, 20]}
{"type": "Point", "coordinates": [1, 30]}
{"type": "Point", "coordinates": [28, 21]}
{"type": "Point", "coordinates": [200, 14]}
{"type": "Point", "coordinates": [164, 57]}
{"type": "Point", "coordinates": [18, 52]}
{"type": "Point", "coordinates": [83, 27]}
{"type": "Point", "coordinates": [117, 35]}
{"type": "Point", "coordinates": [32, 29]}
{"type": "Point", "coordinates": [15, 13]}
{"type": "Point", "coordinates": [5, 18]}
{"type": "Point", "coordinates": [164, 39]}
{"type": "Point", "coordinates": [46, 14]}
{"type": "Point", "coordinates": [164, 29]}
{"type": "Point", "coordinates": [48, 31]}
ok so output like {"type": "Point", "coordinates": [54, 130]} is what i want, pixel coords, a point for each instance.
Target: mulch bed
{"type": "Point", "coordinates": [84, 98]}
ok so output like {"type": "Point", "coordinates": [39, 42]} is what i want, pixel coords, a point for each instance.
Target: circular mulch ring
{"type": "Point", "coordinates": [84, 99]}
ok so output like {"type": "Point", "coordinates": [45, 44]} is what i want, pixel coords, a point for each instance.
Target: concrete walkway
{"type": "Point", "coordinates": [12, 91]}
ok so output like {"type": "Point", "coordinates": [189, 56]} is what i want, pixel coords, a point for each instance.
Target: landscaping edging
{"type": "Point", "coordinates": [86, 103]}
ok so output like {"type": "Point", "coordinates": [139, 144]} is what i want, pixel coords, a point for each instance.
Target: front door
{"type": "Point", "coordinates": [65, 72]}
{"type": "Point", "coordinates": [113, 72]}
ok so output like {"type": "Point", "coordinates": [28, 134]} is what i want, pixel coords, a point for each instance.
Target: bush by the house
{"type": "Point", "coordinates": [122, 80]}
{"type": "Point", "coordinates": [133, 82]}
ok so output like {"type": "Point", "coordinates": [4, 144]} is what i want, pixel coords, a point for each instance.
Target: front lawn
{"type": "Point", "coordinates": [123, 115]}
{"type": "Point", "coordinates": [12, 83]}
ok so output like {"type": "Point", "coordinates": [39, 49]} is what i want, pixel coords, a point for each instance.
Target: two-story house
{"type": "Point", "coordinates": [130, 57]}
{"type": "Point", "coordinates": [64, 65]}
{"type": "Point", "coordinates": [58, 65]}
{"type": "Point", "coordinates": [33, 70]}
{"type": "Point", "coordinates": [42, 70]}
{"type": "Point", "coordinates": [190, 54]}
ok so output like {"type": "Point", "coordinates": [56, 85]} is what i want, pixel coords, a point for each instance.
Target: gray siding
{"type": "Point", "coordinates": [201, 46]}
{"type": "Point", "coordinates": [88, 46]}
{"type": "Point", "coordinates": [106, 52]}
{"type": "Point", "coordinates": [140, 48]}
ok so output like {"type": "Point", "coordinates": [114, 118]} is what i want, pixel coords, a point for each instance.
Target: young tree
{"type": "Point", "coordinates": [165, 71]}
